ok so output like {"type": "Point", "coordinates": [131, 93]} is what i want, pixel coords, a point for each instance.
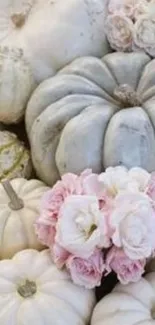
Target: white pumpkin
{"type": "Point", "coordinates": [34, 291]}
{"type": "Point", "coordinates": [15, 160]}
{"type": "Point", "coordinates": [132, 304]}
{"type": "Point", "coordinates": [53, 32]}
{"type": "Point", "coordinates": [19, 208]}
{"type": "Point", "coordinates": [94, 114]}
{"type": "Point", "coordinates": [16, 86]}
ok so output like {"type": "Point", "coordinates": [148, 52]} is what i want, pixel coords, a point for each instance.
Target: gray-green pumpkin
{"type": "Point", "coordinates": [94, 113]}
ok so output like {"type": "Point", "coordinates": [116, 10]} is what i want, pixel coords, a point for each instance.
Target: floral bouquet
{"type": "Point", "coordinates": [95, 224]}
{"type": "Point", "coordinates": [130, 25]}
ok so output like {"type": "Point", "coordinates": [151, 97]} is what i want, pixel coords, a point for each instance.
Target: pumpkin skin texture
{"type": "Point", "coordinates": [33, 290]}
{"type": "Point", "coordinates": [15, 160]}
{"type": "Point", "coordinates": [128, 304]}
{"type": "Point", "coordinates": [49, 32]}
{"type": "Point", "coordinates": [17, 84]}
{"type": "Point", "coordinates": [94, 114]}
{"type": "Point", "coordinates": [17, 220]}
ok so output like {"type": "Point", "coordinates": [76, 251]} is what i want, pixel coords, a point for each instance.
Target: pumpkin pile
{"type": "Point", "coordinates": [77, 92]}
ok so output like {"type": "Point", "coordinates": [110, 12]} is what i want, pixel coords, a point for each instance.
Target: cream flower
{"type": "Point", "coordinates": [124, 6]}
{"type": "Point", "coordinates": [119, 30]}
{"type": "Point", "coordinates": [141, 176]}
{"type": "Point", "coordinates": [141, 7]}
{"type": "Point", "coordinates": [81, 227]}
{"type": "Point", "coordinates": [116, 179]}
{"type": "Point", "coordinates": [144, 34]}
{"type": "Point", "coordinates": [133, 224]}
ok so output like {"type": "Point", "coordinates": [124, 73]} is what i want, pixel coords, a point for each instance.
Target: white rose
{"type": "Point", "coordinates": [119, 179]}
{"type": "Point", "coordinates": [124, 6]}
{"type": "Point", "coordinates": [144, 34]}
{"type": "Point", "coordinates": [119, 30]}
{"type": "Point", "coordinates": [81, 226]}
{"type": "Point", "coordinates": [133, 224]}
{"type": "Point", "coordinates": [141, 176]}
{"type": "Point", "coordinates": [116, 179]}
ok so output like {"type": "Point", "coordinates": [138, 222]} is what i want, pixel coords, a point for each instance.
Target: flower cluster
{"type": "Point", "coordinates": [130, 25]}
{"type": "Point", "coordinates": [95, 224]}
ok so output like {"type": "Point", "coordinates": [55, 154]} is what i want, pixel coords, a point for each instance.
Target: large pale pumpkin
{"type": "Point", "coordinates": [94, 113]}
{"type": "Point", "coordinates": [53, 32]}
{"type": "Point", "coordinates": [34, 291]}
{"type": "Point", "coordinates": [19, 208]}
{"type": "Point", "coordinates": [132, 304]}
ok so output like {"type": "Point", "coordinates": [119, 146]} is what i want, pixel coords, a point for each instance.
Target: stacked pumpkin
{"type": "Point", "coordinates": [83, 107]}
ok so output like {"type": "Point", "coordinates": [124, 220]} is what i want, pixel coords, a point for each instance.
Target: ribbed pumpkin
{"type": "Point", "coordinates": [132, 304]}
{"type": "Point", "coordinates": [34, 291]}
{"type": "Point", "coordinates": [94, 114]}
{"type": "Point", "coordinates": [19, 208]}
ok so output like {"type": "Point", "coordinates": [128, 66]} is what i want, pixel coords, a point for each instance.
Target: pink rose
{"type": "Point", "coordinates": [127, 270]}
{"type": "Point", "coordinates": [87, 272]}
{"type": "Point", "coordinates": [54, 198]}
{"type": "Point", "coordinates": [59, 255]}
{"type": "Point", "coordinates": [151, 187]}
{"type": "Point", "coordinates": [45, 233]}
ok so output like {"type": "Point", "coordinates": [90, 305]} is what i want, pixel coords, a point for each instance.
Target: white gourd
{"type": "Point", "coordinates": [132, 304]}
{"type": "Point", "coordinates": [94, 113]}
{"type": "Point", "coordinates": [53, 32]}
{"type": "Point", "coordinates": [34, 291]}
{"type": "Point", "coordinates": [16, 86]}
{"type": "Point", "coordinates": [19, 208]}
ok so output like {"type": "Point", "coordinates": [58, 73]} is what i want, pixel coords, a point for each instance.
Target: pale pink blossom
{"type": "Point", "coordinates": [133, 225]}
{"type": "Point", "coordinates": [53, 199]}
{"type": "Point", "coordinates": [119, 32]}
{"type": "Point", "coordinates": [45, 233]}
{"type": "Point", "coordinates": [87, 272]}
{"type": "Point", "coordinates": [59, 255]}
{"type": "Point", "coordinates": [144, 34]}
{"type": "Point", "coordinates": [127, 270]}
{"type": "Point", "coordinates": [81, 226]}
{"type": "Point", "coordinates": [125, 7]}
{"type": "Point", "coordinates": [150, 191]}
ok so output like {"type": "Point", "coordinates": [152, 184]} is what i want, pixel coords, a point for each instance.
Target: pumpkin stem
{"type": "Point", "coordinates": [15, 202]}
{"type": "Point", "coordinates": [18, 19]}
{"type": "Point", "coordinates": [127, 96]}
{"type": "Point", "coordinates": [27, 289]}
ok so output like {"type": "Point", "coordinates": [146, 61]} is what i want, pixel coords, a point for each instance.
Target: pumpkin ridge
{"type": "Point", "coordinates": [5, 146]}
{"type": "Point", "coordinates": [17, 161]}
{"type": "Point", "coordinates": [65, 303]}
{"type": "Point", "coordinates": [110, 70]}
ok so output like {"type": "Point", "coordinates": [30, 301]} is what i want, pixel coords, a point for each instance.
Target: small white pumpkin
{"type": "Point", "coordinates": [94, 114]}
{"type": "Point", "coordinates": [34, 291]}
{"type": "Point", "coordinates": [53, 32]}
{"type": "Point", "coordinates": [16, 86]}
{"type": "Point", "coordinates": [19, 208]}
{"type": "Point", "coordinates": [132, 304]}
{"type": "Point", "coordinates": [15, 160]}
